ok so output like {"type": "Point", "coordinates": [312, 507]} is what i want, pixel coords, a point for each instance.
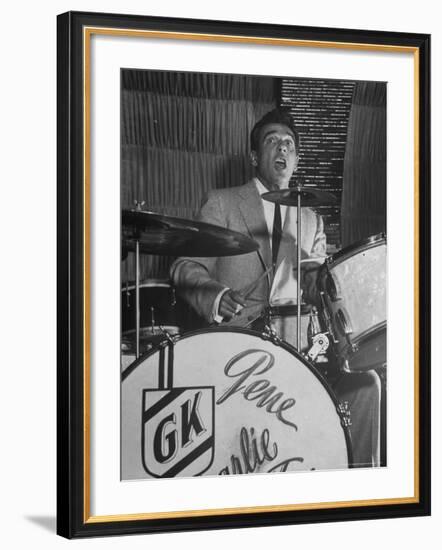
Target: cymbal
{"type": "Point", "coordinates": [310, 196]}
{"type": "Point", "coordinates": [169, 236]}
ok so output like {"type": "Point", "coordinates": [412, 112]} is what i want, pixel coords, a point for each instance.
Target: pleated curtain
{"type": "Point", "coordinates": [364, 196]}
{"type": "Point", "coordinates": [181, 135]}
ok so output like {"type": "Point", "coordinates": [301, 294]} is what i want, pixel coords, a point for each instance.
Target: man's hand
{"type": "Point", "coordinates": [231, 304]}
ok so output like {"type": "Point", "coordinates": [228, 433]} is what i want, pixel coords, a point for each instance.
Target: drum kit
{"type": "Point", "coordinates": [228, 400]}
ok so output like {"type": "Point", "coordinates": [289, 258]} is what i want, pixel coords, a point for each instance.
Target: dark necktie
{"type": "Point", "coordinates": [277, 233]}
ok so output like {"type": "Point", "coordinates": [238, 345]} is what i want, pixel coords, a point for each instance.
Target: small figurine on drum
{"type": "Point", "coordinates": [273, 290]}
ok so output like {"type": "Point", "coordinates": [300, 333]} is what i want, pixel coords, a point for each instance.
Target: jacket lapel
{"type": "Point", "coordinates": [250, 206]}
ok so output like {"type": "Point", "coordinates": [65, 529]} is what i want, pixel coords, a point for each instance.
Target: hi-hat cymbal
{"type": "Point", "coordinates": [310, 196]}
{"type": "Point", "coordinates": [170, 236]}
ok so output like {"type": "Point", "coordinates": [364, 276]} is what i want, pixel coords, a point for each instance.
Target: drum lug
{"type": "Point", "coordinates": [170, 339]}
{"type": "Point", "coordinates": [345, 413]}
{"type": "Point", "coordinates": [271, 335]}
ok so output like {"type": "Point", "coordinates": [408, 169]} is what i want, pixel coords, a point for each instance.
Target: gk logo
{"type": "Point", "coordinates": [177, 431]}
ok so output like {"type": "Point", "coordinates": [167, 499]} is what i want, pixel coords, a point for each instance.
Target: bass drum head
{"type": "Point", "coordinates": [234, 403]}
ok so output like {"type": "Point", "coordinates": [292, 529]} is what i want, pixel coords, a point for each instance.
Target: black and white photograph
{"type": "Point", "coordinates": [217, 232]}
{"type": "Point", "coordinates": [226, 195]}
{"type": "Point", "coordinates": [253, 274]}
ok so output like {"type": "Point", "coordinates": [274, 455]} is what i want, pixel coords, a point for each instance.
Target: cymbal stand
{"type": "Point", "coordinates": [137, 298]}
{"type": "Point", "coordinates": [138, 206]}
{"type": "Point", "coordinates": [298, 277]}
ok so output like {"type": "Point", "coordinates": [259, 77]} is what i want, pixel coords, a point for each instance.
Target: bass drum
{"type": "Point", "coordinates": [227, 401]}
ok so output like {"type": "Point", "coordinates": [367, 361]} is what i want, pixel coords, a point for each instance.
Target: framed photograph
{"type": "Point", "coordinates": [243, 274]}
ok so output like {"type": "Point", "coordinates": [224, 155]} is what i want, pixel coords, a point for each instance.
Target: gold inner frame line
{"type": "Point", "coordinates": [87, 34]}
{"type": "Point", "coordinates": [204, 37]}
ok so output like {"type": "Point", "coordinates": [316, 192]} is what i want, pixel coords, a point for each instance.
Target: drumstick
{"type": "Point", "coordinates": [247, 290]}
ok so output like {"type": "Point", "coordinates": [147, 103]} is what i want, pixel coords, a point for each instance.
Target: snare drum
{"type": "Point", "coordinates": [352, 285]}
{"type": "Point", "coordinates": [284, 321]}
{"type": "Point", "coordinates": [227, 401]}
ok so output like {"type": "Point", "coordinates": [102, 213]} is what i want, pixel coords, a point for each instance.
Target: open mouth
{"type": "Point", "coordinates": [280, 164]}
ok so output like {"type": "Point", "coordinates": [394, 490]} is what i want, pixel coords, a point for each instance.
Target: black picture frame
{"type": "Point", "coordinates": [73, 515]}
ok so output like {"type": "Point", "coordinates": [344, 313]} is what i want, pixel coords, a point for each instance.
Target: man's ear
{"type": "Point", "coordinates": [254, 158]}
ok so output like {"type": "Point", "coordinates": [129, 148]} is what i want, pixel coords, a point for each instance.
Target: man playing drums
{"type": "Point", "coordinates": [236, 290]}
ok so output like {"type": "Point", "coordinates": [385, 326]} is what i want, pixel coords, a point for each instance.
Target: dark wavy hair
{"type": "Point", "coordinates": [277, 116]}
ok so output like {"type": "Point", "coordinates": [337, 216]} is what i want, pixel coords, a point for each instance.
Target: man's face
{"type": "Point", "coordinates": [276, 158]}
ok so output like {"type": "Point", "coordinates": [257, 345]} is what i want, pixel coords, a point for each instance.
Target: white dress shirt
{"type": "Point", "coordinates": [283, 289]}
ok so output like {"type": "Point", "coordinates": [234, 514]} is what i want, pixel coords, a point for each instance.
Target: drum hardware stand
{"type": "Point", "coordinates": [173, 304]}
{"type": "Point", "coordinates": [127, 295]}
{"type": "Point", "coordinates": [298, 276]}
{"type": "Point", "coordinates": [347, 329]}
{"type": "Point", "coordinates": [137, 298]}
{"type": "Point", "coordinates": [317, 340]}
{"type": "Point", "coordinates": [327, 319]}
{"type": "Point", "coordinates": [152, 319]}
{"type": "Point", "coordinates": [319, 346]}
{"type": "Point", "coordinates": [345, 413]}
{"type": "Point", "coordinates": [138, 206]}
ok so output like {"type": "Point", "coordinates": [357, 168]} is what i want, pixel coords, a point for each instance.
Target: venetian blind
{"type": "Point", "coordinates": [321, 109]}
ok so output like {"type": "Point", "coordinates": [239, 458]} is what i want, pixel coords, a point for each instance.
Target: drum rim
{"type": "Point", "coordinates": [285, 345]}
{"type": "Point", "coordinates": [371, 332]}
{"type": "Point", "coordinates": [349, 251]}
{"type": "Point", "coordinates": [365, 336]}
{"type": "Point", "coordinates": [146, 283]}
{"type": "Point", "coordinates": [147, 327]}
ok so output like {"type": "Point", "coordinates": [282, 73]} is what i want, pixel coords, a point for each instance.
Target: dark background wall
{"type": "Point", "coordinates": [181, 135]}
